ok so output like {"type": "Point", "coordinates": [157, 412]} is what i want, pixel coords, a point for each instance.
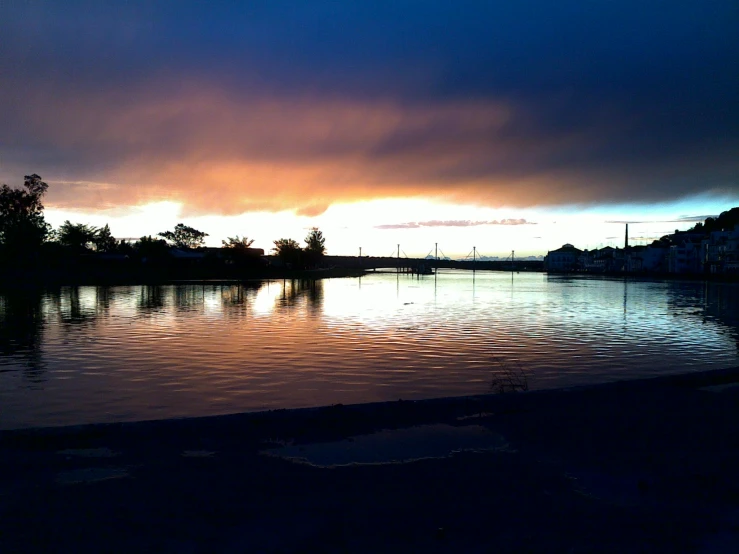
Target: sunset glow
{"type": "Point", "coordinates": [268, 120]}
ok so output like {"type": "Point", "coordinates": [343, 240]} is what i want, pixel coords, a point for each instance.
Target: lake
{"type": "Point", "coordinates": [125, 353]}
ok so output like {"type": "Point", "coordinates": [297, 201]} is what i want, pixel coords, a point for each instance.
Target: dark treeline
{"type": "Point", "coordinates": [726, 221]}
{"type": "Point", "coordinates": [76, 253]}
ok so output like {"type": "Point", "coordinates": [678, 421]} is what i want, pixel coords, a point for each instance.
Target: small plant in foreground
{"type": "Point", "coordinates": [508, 377]}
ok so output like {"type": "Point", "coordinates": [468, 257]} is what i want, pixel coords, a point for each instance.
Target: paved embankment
{"type": "Point", "coordinates": [643, 466]}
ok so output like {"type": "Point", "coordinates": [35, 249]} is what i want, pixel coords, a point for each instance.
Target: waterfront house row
{"type": "Point", "coordinates": [685, 253]}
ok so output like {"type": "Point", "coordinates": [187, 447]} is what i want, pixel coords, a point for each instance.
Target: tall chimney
{"type": "Point", "coordinates": [626, 238]}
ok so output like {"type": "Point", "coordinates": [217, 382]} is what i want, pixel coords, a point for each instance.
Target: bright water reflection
{"type": "Point", "coordinates": [93, 354]}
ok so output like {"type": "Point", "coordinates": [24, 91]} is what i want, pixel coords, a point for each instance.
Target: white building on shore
{"type": "Point", "coordinates": [563, 259]}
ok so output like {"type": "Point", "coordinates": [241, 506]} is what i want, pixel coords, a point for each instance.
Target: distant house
{"type": "Point", "coordinates": [563, 259]}
{"type": "Point", "coordinates": [609, 259]}
{"type": "Point", "coordinates": [185, 254]}
{"type": "Point", "coordinates": [634, 259]}
{"type": "Point", "coordinates": [240, 256]}
{"type": "Point", "coordinates": [731, 260]}
{"type": "Point", "coordinates": [587, 260]}
{"type": "Point", "coordinates": [655, 258]}
{"type": "Point", "coordinates": [599, 260]}
{"type": "Point", "coordinates": [645, 259]}
{"type": "Point", "coordinates": [721, 251]}
{"type": "Point", "coordinates": [220, 252]}
{"type": "Point", "coordinates": [683, 252]}
{"type": "Point", "coordinates": [685, 257]}
{"type": "Point", "coordinates": [259, 252]}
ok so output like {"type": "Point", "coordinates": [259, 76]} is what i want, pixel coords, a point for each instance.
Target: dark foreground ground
{"type": "Point", "coordinates": [645, 466]}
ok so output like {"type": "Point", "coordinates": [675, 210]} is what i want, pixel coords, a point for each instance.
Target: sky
{"type": "Point", "coordinates": [495, 125]}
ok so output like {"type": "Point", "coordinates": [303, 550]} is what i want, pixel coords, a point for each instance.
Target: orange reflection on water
{"type": "Point", "coordinates": [82, 354]}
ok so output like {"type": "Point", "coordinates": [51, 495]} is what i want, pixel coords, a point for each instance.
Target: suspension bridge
{"type": "Point", "coordinates": [399, 261]}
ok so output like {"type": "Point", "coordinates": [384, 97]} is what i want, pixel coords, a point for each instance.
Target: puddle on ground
{"type": "Point", "coordinates": [395, 446]}
{"type": "Point", "coordinates": [479, 415]}
{"type": "Point", "coordinates": [90, 475]}
{"type": "Point", "coordinates": [88, 452]}
{"type": "Point", "coordinates": [198, 453]}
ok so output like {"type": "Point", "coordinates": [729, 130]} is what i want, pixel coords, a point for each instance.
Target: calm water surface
{"type": "Point", "coordinates": [101, 354]}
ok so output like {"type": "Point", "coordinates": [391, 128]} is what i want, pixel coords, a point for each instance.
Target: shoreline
{"type": "Point", "coordinates": [630, 466]}
{"type": "Point", "coordinates": [444, 406]}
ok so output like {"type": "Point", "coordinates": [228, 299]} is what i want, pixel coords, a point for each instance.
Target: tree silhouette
{"type": "Point", "coordinates": [151, 248]}
{"type": "Point", "coordinates": [315, 242]}
{"type": "Point", "coordinates": [288, 250]}
{"type": "Point", "coordinates": [315, 247]}
{"type": "Point", "coordinates": [104, 240]}
{"type": "Point", "coordinates": [77, 236]}
{"type": "Point", "coordinates": [22, 225]}
{"type": "Point", "coordinates": [726, 221]}
{"type": "Point", "coordinates": [237, 243]}
{"type": "Point", "coordinates": [184, 236]}
{"type": "Point", "coordinates": [239, 252]}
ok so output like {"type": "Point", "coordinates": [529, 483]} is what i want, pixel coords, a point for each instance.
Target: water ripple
{"type": "Point", "coordinates": [94, 354]}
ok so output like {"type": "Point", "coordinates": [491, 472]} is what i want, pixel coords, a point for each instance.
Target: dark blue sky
{"type": "Point", "coordinates": [507, 102]}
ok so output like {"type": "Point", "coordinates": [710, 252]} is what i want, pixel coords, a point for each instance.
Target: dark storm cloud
{"type": "Point", "coordinates": [229, 106]}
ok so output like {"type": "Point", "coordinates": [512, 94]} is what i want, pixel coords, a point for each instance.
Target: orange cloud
{"type": "Point", "coordinates": [224, 153]}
